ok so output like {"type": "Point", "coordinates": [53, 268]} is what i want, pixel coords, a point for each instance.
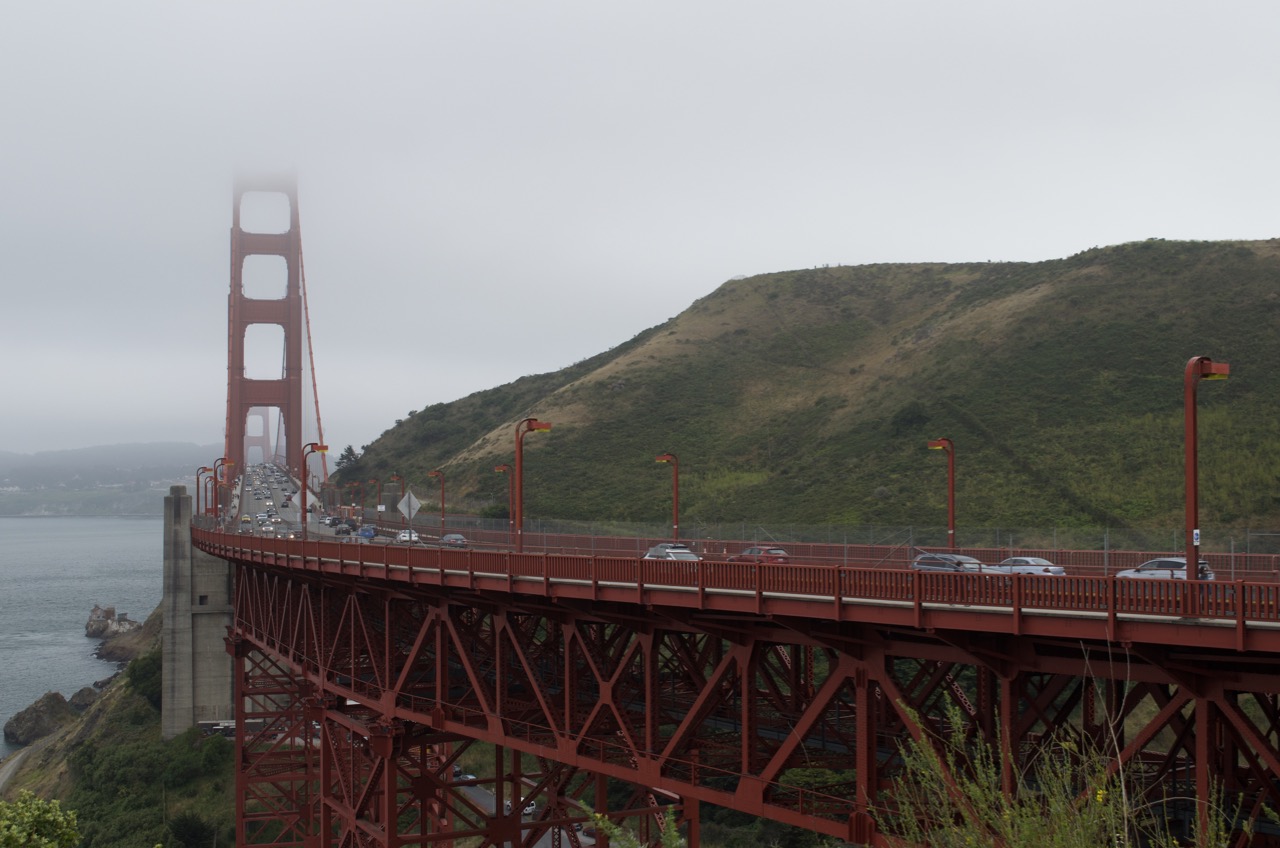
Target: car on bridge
{"type": "Point", "coordinates": [453, 540]}
{"type": "Point", "coordinates": [948, 562]}
{"type": "Point", "coordinates": [1166, 568]}
{"type": "Point", "coordinates": [1028, 565]}
{"type": "Point", "coordinates": [762, 553]}
{"type": "Point", "coordinates": [671, 550]}
{"type": "Point", "coordinates": [408, 537]}
{"type": "Point", "coordinates": [368, 531]}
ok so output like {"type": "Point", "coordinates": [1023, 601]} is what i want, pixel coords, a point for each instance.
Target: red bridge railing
{"type": "Point", "coordinates": [1240, 613]}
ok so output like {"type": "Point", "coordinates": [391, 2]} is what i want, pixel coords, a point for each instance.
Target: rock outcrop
{"type": "Point", "coordinates": [40, 719]}
{"type": "Point", "coordinates": [104, 623]}
{"type": "Point", "coordinates": [81, 700]}
{"type": "Point", "coordinates": [122, 637]}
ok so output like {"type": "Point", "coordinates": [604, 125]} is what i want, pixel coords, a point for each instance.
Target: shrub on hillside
{"type": "Point", "coordinates": [144, 676]}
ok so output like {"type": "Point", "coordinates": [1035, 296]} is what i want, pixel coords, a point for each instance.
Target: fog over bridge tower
{"type": "Point", "coordinates": [283, 393]}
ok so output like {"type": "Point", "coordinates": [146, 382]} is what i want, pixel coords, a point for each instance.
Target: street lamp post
{"type": "Point", "coordinates": [946, 445]}
{"type": "Point", "coordinates": [528, 425]}
{"type": "Point", "coordinates": [440, 475]}
{"type": "Point", "coordinates": [675, 492]}
{"type": "Point", "coordinates": [1198, 368]}
{"type": "Point", "coordinates": [218, 464]}
{"type": "Point", "coordinates": [506, 469]}
{"type": "Point", "coordinates": [377, 486]}
{"type": "Point", "coordinates": [307, 449]}
{"type": "Point", "coordinates": [397, 477]}
{"type": "Point", "coordinates": [204, 469]}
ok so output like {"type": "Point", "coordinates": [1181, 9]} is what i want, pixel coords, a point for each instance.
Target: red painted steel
{"type": "Point", "coordinates": [243, 393]}
{"type": "Point", "coordinates": [1198, 368]}
{"type": "Point", "coordinates": [715, 682]}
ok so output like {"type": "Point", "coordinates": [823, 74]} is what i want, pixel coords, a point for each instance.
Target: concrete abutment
{"type": "Point", "coordinates": [197, 599]}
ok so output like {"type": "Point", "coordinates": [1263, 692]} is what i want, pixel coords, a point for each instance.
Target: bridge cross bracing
{"type": "Point", "coordinates": [729, 685]}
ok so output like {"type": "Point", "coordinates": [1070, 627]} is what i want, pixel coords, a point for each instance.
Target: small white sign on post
{"type": "Point", "coordinates": [409, 505]}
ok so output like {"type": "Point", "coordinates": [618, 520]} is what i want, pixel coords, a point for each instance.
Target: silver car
{"type": "Point", "coordinates": [1166, 568]}
{"type": "Point", "coordinates": [1030, 565]}
{"type": "Point", "coordinates": [671, 550]}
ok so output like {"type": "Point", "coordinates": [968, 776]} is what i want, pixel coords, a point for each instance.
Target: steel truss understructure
{"type": "Point", "coordinates": [356, 696]}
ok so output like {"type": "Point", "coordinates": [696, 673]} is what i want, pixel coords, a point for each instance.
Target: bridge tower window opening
{"type": "Point", "coordinates": [258, 448]}
{"type": "Point", "coordinates": [265, 277]}
{"type": "Point", "coordinates": [265, 212]}
{"type": "Point", "coordinates": [263, 345]}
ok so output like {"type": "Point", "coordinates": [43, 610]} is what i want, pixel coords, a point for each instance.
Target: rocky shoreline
{"type": "Point", "coordinates": [121, 639]}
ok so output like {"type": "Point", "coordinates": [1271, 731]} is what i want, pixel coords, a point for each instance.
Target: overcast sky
{"type": "Point", "coordinates": [495, 189]}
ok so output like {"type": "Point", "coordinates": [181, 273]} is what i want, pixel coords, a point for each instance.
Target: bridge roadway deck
{"type": "Point", "coordinates": [1021, 655]}
{"type": "Point", "coordinates": [1217, 615]}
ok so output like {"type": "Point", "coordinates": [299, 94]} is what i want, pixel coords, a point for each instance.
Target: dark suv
{"type": "Point", "coordinates": [762, 554]}
{"type": "Point", "coordinates": [946, 562]}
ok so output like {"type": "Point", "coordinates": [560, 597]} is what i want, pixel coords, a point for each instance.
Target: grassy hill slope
{"type": "Point", "coordinates": [127, 787]}
{"type": "Point", "coordinates": [808, 397]}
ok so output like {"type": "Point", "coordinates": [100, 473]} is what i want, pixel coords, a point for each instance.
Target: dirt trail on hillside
{"type": "Point", "coordinates": [9, 767]}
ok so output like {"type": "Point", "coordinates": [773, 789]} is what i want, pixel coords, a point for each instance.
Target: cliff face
{"type": "Point", "coordinates": [40, 719]}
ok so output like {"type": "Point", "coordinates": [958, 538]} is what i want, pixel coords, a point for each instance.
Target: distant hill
{"type": "Point", "coordinates": [808, 397]}
{"type": "Point", "coordinates": [127, 479]}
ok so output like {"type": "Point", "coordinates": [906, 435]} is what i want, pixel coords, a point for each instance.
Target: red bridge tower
{"type": "Point", "coordinates": [285, 393]}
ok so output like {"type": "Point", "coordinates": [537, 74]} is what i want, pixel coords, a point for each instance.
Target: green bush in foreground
{"type": "Point", "coordinates": [949, 796]}
{"type": "Point", "coordinates": [30, 822]}
{"type": "Point", "coordinates": [623, 838]}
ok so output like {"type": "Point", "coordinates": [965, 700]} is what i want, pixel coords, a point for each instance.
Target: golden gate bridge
{"type": "Point", "coordinates": [363, 673]}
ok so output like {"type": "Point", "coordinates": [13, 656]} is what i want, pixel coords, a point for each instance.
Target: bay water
{"type": "Point", "coordinates": [52, 572]}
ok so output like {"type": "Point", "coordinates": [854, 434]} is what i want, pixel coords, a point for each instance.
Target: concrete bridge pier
{"type": "Point", "coordinates": [196, 605]}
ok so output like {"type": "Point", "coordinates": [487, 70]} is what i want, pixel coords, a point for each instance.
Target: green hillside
{"type": "Point", "coordinates": [808, 396]}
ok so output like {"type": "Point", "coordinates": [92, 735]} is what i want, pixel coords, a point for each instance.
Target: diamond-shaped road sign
{"type": "Point", "coordinates": [409, 506]}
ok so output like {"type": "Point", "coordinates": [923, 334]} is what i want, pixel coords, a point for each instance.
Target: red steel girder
{"type": "Point", "coordinates": [709, 707]}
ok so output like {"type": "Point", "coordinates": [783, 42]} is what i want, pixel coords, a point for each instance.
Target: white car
{"type": "Point", "coordinates": [671, 550]}
{"type": "Point", "coordinates": [1029, 565]}
{"type": "Point", "coordinates": [409, 536]}
{"type": "Point", "coordinates": [1166, 568]}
